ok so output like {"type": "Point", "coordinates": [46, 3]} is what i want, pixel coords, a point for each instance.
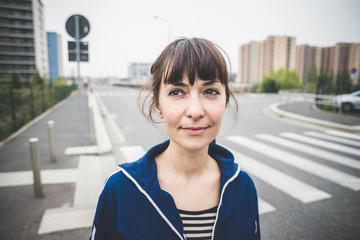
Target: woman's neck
{"type": "Point", "coordinates": [189, 164]}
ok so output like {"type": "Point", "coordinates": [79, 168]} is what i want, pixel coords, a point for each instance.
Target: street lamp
{"type": "Point", "coordinates": [168, 23]}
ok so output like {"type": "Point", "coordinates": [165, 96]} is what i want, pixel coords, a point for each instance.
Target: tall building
{"type": "Point", "coordinates": [339, 61]}
{"type": "Point", "coordinates": [23, 47]}
{"type": "Point", "coordinates": [54, 55]}
{"type": "Point", "coordinates": [327, 60]}
{"type": "Point", "coordinates": [354, 63]}
{"type": "Point", "coordinates": [308, 62]}
{"type": "Point", "coordinates": [259, 58]}
{"type": "Point", "coordinates": [280, 53]}
{"type": "Point", "coordinates": [252, 60]}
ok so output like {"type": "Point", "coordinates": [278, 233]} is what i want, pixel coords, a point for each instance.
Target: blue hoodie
{"type": "Point", "coordinates": [132, 206]}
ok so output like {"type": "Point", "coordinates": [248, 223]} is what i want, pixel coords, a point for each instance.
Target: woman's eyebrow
{"type": "Point", "coordinates": [210, 82]}
{"type": "Point", "coordinates": [205, 83]}
{"type": "Point", "coordinates": [178, 84]}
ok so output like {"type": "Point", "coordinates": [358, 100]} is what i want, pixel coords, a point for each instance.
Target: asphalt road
{"type": "Point", "coordinates": [307, 191]}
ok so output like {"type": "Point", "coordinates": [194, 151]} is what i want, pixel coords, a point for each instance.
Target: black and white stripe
{"type": "Point", "coordinates": [198, 224]}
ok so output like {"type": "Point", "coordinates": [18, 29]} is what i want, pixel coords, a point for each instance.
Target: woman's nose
{"type": "Point", "coordinates": [195, 109]}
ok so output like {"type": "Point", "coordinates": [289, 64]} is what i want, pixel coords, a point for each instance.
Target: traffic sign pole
{"type": "Point", "coordinates": [78, 27]}
{"type": "Point", "coordinates": [77, 38]}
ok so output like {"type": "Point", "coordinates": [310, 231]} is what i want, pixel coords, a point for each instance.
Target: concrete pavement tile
{"type": "Point", "coordinates": [53, 176]}
{"type": "Point", "coordinates": [61, 219]}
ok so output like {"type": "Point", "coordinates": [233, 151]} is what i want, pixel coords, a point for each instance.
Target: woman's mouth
{"type": "Point", "coordinates": [195, 131]}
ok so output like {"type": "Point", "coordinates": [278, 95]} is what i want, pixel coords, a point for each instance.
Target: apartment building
{"type": "Point", "coordinates": [308, 62]}
{"type": "Point", "coordinates": [338, 62]}
{"type": "Point", "coordinates": [354, 63]}
{"type": "Point", "coordinates": [259, 58]}
{"type": "Point", "coordinates": [23, 44]}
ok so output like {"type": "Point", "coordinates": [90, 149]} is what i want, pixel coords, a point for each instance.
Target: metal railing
{"type": "Point", "coordinates": [20, 105]}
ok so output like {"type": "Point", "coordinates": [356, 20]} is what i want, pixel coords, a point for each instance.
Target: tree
{"type": "Point", "coordinates": [311, 78]}
{"type": "Point", "coordinates": [269, 85]}
{"type": "Point", "coordinates": [60, 81]}
{"type": "Point", "coordinates": [284, 79]}
{"type": "Point", "coordinates": [37, 80]}
{"type": "Point", "coordinates": [16, 81]}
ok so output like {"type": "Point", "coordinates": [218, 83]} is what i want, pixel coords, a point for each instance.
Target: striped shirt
{"type": "Point", "coordinates": [198, 224]}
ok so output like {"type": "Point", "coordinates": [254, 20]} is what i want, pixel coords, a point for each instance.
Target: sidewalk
{"type": "Point", "coordinates": [71, 185]}
{"type": "Point", "coordinates": [308, 112]}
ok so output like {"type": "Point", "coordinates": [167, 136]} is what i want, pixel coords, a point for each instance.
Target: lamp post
{"type": "Point", "coordinates": [168, 23]}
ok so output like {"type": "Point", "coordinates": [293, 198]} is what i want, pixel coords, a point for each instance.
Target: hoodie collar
{"type": "Point", "coordinates": [144, 171]}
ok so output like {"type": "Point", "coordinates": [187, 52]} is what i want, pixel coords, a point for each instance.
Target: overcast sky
{"type": "Point", "coordinates": [125, 31]}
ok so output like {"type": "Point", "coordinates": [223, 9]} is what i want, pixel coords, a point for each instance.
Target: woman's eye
{"type": "Point", "coordinates": [212, 92]}
{"type": "Point", "coordinates": [176, 92]}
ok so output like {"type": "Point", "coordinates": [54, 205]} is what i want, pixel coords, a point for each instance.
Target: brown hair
{"type": "Point", "coordinates": [186, 58]}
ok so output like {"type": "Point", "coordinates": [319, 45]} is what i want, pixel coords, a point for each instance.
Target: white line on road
{"type": "Point", "coordinates": [285, 183]}
{"type": "Point", "coordinates": [343, 134]}
{"type": "Point", "coordinates": [118, 133]}
{"type": "Point", "coordinates": [332, 146]}
{"type": "Point", "coordinates": [326, 155]}
{"type": "Point", "coordinates": [314, 168]}
{"type": "Point", "coordinates": [332, 138]}
{"type": "Point", "coordinates": [264, 207]}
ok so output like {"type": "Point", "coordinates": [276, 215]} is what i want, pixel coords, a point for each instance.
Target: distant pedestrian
{"type": "Point", "coordinates": [187, 187]}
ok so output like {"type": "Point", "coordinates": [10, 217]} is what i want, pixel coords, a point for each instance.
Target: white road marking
{"type": "Point", "coordinates": [343, 134]}
{"type": "Point", "coordinates": [326, 155]}
{"type": "Point", "coordinates": [264, 207]}
{"type": "Point", "coordinates": [333, 138]}
{"type": "Point", "coordinates": [285, 183]}
{"type": "Point", "coordinates": [325, 144]}
{"type": "Point", "coordinates": [314, 168]}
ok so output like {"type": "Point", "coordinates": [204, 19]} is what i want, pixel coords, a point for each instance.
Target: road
{"type": "Point", "coordinates": [308, 178]}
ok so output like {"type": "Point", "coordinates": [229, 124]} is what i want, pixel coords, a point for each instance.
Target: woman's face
{"type": "Point", "coordinates": [192, 114]}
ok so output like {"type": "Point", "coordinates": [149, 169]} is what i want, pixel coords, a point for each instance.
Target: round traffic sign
{"type": "Point", "coordinates": [84, 26]}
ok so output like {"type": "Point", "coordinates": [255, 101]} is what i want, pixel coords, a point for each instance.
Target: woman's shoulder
{"type": "Point", "coordinates": [245, 179]}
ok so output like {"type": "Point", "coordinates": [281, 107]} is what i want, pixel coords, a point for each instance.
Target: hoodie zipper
{"type": "Point", "coordinates": [221, 198]}
{"type": "Point", "coordinates": [152, 202]}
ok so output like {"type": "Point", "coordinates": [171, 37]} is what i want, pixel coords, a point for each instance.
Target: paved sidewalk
{"type": "Point", "coordinates": [64, 182]}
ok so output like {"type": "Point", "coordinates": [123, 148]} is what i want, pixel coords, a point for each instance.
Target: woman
{"type": "Point", "coordinates": [187, 187]}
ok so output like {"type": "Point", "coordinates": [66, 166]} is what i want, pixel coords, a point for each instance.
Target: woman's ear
{"type": "Point", "coordinates": [157, 108]}
{"type": "Point", "coordinates": [159, 112]}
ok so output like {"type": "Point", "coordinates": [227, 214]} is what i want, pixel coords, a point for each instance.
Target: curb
{"type": "Point", "coordinates": [274, 108]}
{"type": "Point", "coordinates": [102, 138]}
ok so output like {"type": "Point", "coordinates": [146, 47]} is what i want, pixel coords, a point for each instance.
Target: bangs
{"type": "Point", "coordinates": [194, 57]}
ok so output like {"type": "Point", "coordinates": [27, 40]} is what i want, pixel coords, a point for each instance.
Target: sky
{"type": "Point", "coordinates": [126, 31]}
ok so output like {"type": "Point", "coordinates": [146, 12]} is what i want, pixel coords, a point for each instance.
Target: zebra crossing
{"type": "Point", "coordinates": [289, 148]}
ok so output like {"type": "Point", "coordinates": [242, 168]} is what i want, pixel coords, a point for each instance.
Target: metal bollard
{"type": "Point", "coordinates": [36, 166]}
{"type": "Point", "coordinates": [51, 125]}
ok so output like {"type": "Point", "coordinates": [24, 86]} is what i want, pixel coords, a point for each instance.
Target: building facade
{"type": "Point", "coordinates": [139, 71]}
{"type": "Point", "coordinates": [354, 63]}
{"type": "Point", "coordinates": [54, 55]}
{"type": "Point", "coordinates": [259, 58]}
{"type": "Point", "coordinates": [23, 44]}
{"type": "Point", "coordinates": [340, 63]}
{"type": "Point", "coordinates": [308, 62]}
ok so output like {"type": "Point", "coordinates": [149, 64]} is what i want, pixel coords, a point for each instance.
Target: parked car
{"type": "Point", "coordinates": [347, 102]}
